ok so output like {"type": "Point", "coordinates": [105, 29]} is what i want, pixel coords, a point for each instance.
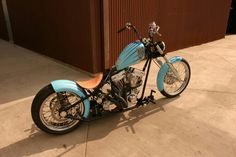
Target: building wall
{"type": "Point", "coordinates": [83, 33]}
{"type": "Point", "coordinates": [65, 30]}
{"type": "Point", "coordinates": [3, 29]}
{"type": "Point", "coordinates": [183, 23]}
{"type": "Point", "coordinates": [231, 29]}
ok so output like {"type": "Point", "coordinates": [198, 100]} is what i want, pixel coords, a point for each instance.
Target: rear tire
{"type": "Point", "coordinates": [41, 121]}
{"type": "Point", "coordinates": [170, 79]}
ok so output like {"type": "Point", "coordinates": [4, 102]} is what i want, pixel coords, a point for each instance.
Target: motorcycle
{"type": "Point", "coordinates": [61, 106]}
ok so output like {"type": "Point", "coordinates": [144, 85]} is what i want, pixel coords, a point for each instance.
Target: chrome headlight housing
{"type": "Point", "coordinates": [162, 45]}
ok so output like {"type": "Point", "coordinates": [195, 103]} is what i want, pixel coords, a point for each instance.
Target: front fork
{"type": "Point", "coordinates": [168, 63]}
{"type": "Point", "coordinates": [159, 62]}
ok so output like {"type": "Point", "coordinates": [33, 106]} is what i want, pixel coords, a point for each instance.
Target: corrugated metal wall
{"type": "Point", "coordinates": [3, 29]}
{"type": "Point", "coordinates": [66, 30]}
{"type": "Point", "coordinates": [183, 23]}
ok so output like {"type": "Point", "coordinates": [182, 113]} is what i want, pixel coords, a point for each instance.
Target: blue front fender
{"type": "Point", "coordinates": [71, 86]}
{"type": "Point", "coordinates": [164, 69]}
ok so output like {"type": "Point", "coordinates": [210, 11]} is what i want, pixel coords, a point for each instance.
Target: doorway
{"type": "Point", "coordinates": [231, 29]}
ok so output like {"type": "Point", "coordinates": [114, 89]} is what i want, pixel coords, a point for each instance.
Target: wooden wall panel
{"type": "Point", "coordinates": [65, 30]}
{"type": "Point", "coordinates": [83, 33]}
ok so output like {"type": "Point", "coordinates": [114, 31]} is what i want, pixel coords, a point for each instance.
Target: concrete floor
{"type": "Point", "coordinates": [201, 122]}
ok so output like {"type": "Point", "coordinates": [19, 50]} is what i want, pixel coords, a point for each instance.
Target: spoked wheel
{"type": "Point", "coordinates": [46, 112]}
{"type": "Point", "coordinates": [172, 85]}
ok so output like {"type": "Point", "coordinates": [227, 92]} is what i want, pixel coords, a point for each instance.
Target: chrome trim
{"type": "Point", "coordinates": [158, 62]}
{"type": "Point", "coordinates": [172, 68]}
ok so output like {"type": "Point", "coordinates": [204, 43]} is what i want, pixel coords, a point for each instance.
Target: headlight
{"type": "Point", "coordinates": [162, 45]}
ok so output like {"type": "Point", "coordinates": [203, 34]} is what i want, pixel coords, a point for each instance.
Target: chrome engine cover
{"type": "Point", "coordinates": [134, 77]}
{"type": "Point", "coordinates": [131, 77]}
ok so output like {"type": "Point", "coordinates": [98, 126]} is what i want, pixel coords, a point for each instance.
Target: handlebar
{"type": "Point", "coordinates": [153, 29]}
{"type": "Point", "coordinates": [129, 26]}
{"type": "Point", "coordinates": [121, 30]}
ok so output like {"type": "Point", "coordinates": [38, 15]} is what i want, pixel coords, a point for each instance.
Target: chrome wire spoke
{"type": "Point", "coordinates": [49, 112]}
{"type": "Point", "coordinates": [172, 84]}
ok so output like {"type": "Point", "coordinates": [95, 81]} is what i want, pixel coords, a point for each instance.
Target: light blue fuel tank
{"type": "Point", "coordinates": [132, 54]}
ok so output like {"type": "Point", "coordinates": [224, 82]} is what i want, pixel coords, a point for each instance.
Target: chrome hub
{"type": "Point", "coordinates": [63, 114]}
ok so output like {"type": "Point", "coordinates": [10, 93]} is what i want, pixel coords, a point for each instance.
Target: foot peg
{"type": "Point", "coordinates": [147, 100]}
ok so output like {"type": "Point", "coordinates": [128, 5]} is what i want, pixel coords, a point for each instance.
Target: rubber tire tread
{"type": "Point", "coordinates": [35, 109]}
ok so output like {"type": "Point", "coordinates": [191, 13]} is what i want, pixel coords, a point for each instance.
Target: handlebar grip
{"type": "Point", "coordinates": [121, 30]}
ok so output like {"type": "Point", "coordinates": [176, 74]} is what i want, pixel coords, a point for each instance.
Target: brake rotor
{"type": "Point", "coordinates": [56, 115]}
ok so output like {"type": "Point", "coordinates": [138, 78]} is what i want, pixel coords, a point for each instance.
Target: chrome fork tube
{"type": "Point", "coordinates": [168, 63]}
{"type": "Point", "coordinates": [158, 62]}
{"type": "Point", "coordinates": [172, 68]}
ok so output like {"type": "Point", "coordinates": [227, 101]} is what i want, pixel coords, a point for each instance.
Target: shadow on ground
{"type": "Point", "coordinates": [39, 141]}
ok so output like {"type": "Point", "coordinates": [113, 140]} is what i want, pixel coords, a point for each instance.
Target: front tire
{"type": "Point", "coordinates": [45, 111]}
{"type": "Point", "coordinates": [172, 86]}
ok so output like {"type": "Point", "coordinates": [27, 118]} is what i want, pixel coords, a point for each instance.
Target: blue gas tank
{"type": "Point", "coordinates": [132, 54]}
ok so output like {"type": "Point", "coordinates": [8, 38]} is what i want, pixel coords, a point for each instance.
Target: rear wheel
{"type": "Point", "coordinates": [46, 115]}
{"type": "Point", "coordinates": [172, 85]}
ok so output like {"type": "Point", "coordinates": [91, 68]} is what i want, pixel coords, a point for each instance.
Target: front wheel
{"type": "Point", "coordinates": [46, 114]}
{"type": "Point", "coordinates": [172, 85]}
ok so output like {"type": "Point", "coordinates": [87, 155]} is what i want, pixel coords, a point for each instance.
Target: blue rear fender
{"type": "Point", "coordinates": [71, 86]}
{"type": "Point", "coordinates": [162, 72]}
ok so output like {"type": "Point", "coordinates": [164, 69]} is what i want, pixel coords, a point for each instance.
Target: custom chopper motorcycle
{"type": "Point", "coordinates": [62, 105]}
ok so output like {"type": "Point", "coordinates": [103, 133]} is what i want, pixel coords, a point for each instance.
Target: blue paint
{"type": "Point", "coordinates": [71, 86]}
{"type": "Point", "coordinates": [162, 72]}
{"type": "Point", "coordinates": [132, 54]}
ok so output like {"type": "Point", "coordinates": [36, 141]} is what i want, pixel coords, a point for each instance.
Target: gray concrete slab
{"type": "Point", "coordinates": [23, 72]}
{"type": "Point", "coordinates": [201, 122]}
{"type": "Point", "coordinates": [20, 137]}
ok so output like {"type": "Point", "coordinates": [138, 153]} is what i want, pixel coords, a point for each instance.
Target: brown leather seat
{"type": "Point", "coordinates": [91, 83]}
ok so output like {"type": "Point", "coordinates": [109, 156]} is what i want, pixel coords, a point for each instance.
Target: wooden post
{"type": "Point", "coordinates": [7, 20]}
{"type": "Point", "coordinates": [106, 34]}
